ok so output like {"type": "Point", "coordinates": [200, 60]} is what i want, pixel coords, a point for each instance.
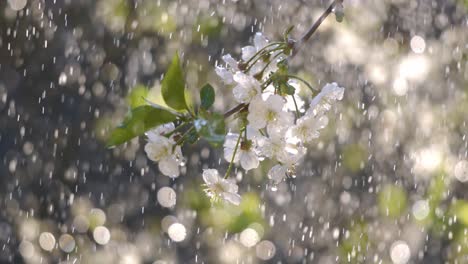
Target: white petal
{"type": "Point", "coordinates": [260, 41]}
{"type": "Point", "coordinates": [322, 101]}
{"type": "Point", "coordinates": [333, 91]}
{"type": "Point", "coordinates": [231, 140]}
{"type": "Point", "coordinates": [248, 160]}
{"type": "Point", "coordinates": [241, 94]}
{"type": "Point", "coordinates": [228, 185]}
{"type": "Point", "coordinates": [169, 166]}
{"type": "Point", "coordinates": [230, 61]}
{"type": "Point", "coordinates": [248, 52]}
{"type": "Point", "coordinates": [277, 173]}
{"type": "Point", "coordinates": [265, 147]}
{"type": "Point", "coordinates": [247, 88]}
{"type": "Point", "coordinates": [257, 67]}
{"type": "Point", "coordinates": [165, 128]}
{"type": "Point", "coordinates": [275, 102]}
{"type": "Point", "coordinates": [157, 150]}
{"type": "Point", "coordinates": [153, 136]}
{"type": "Point", "coordinates": [225, 75]}
{"type": "Point", "coordinates": [257, 113]}
{"type": "Point", "coordinates": [233, 198]}
{"type": "Point", "coordinates": [252, 133]}
{"type": "Point", "coordinates": [228, 152]}
{"type": "Point", "coordinates": [210, 176]}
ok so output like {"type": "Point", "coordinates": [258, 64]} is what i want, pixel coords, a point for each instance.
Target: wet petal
{"type": "Point", "coordinates": [257, 113]}
{"type": "Point", "coordinates": [224, 74]}
{"type": "Point", "coordinates": [277, 173]}
{"type": "Point", "coordinates": [233, 198]}
{"type": "Point", "coordinates": [210, 176]}
{"type": "Point", "coordinates": [228, 185]}
{"type": "Point", "coordinates": [260, 41]}
{"type": "Point", "coordinates": [249, 160]}
{"type": "Point", "coordinates": [248, 52]}
{"type": "Point", "coordinates": [169, 166]}
{"type": "Point", "coordinates": [275, 102]}
{"type": "Point", "coordinates": [230, 61]}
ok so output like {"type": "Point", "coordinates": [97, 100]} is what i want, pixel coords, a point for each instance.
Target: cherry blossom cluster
{"type": "Point", "coordinates": [275, 123]}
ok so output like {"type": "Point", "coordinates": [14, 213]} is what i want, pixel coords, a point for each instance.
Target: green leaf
{"type": "Point", "coordinates": [137, 96]}
{"type": "Point", "coordinates": [207, 96]}
{"type": "Point", "coordinates": [211, 127]}
{"type": "Point", "coordinates": [138, 121]}
{"type": "Point", "coordinates": [173, 86]}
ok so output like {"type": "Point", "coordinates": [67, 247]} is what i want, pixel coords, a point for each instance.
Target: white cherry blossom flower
{"type": "Point", "coordinates": [161, 149]}
{"type": "Point", "coordinates": [220, 188]}
{"type": "Point", "coordinates": [281, 148]}
{"type": "Point", "coordinates": [227, 73]}
{"type": "Point", "coordinates": [322, 102]}
{"type": "Point", "coordinates": [247, 87]}
{"type": "Point", "coordinates": [269, 113]}
{"type": "Point", "coordinates": [245, 154]}
{"type": "Point", "coordinates": [307, 128]}
{"type": "Point", "coordinates": [289, 157]}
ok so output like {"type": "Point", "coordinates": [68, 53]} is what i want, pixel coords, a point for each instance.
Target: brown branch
{"type": "Point", "coordinates": [234, 110]}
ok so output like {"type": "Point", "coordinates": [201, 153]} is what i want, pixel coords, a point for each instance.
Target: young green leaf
{"type": "Point", "coordinates": [173, 85]}
{"type": "Point", "coordinates": [137, 96]}
{"type": "Point", "coordinates": [207, 96]}
{"type": "Point", "coordinates": [211, 127]}
{"type": "Point", "coordinates": [138, 121]}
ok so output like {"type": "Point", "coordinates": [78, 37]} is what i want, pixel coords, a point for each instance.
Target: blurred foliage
{"type": "Point", "coordinates": [392, 201]}
{"type": "Point", "coordinates": [354, 246]}
{"type": "Point", "coordinates": [354, 157]}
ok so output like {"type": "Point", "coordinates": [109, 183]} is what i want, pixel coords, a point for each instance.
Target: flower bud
{"type": "Point", "coordinates": [339, 12]}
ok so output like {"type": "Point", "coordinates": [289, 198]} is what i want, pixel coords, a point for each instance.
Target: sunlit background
{"type": "Point", "coordinates": [386, 182]}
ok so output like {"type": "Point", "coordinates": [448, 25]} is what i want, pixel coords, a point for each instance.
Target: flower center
{"type": "Point", "coordinates": [271, 115]}
{"type": "Point", "coordinates": [217, 188]}
{"type": "Point", "coordinates": [246, 145]}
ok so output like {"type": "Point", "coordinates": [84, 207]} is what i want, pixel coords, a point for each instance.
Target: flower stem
{"type": "Point", "coordinates": [234, 154]}
{"type": "Point", "coordinates": [184, 136]}
{"type": "Point", "coordinates": [298, 114]}
{"type": "Point", "coordinates": [177, 129]}
{"type": "Point", "coordinates": [270, 61]}
{"type": "Point", "coordinates": [262, 50]}
{"type": "Point", "coordinates": [304, 81]}
{"type": "Point", "coordinates": [264, 53]}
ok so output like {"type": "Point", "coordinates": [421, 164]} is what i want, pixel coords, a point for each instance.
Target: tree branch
{"type": "Point", "coordinates": [234, 110]}
{"type": "Point", "coordinates": [314, 28]}
{"type": "Point", "coordinates": [296, 48]}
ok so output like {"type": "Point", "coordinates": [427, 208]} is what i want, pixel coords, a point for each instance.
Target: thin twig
{"type": "Point", "coordinates": [313, 28]}
{"type": "Point", "coordinates": [234, 154]}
